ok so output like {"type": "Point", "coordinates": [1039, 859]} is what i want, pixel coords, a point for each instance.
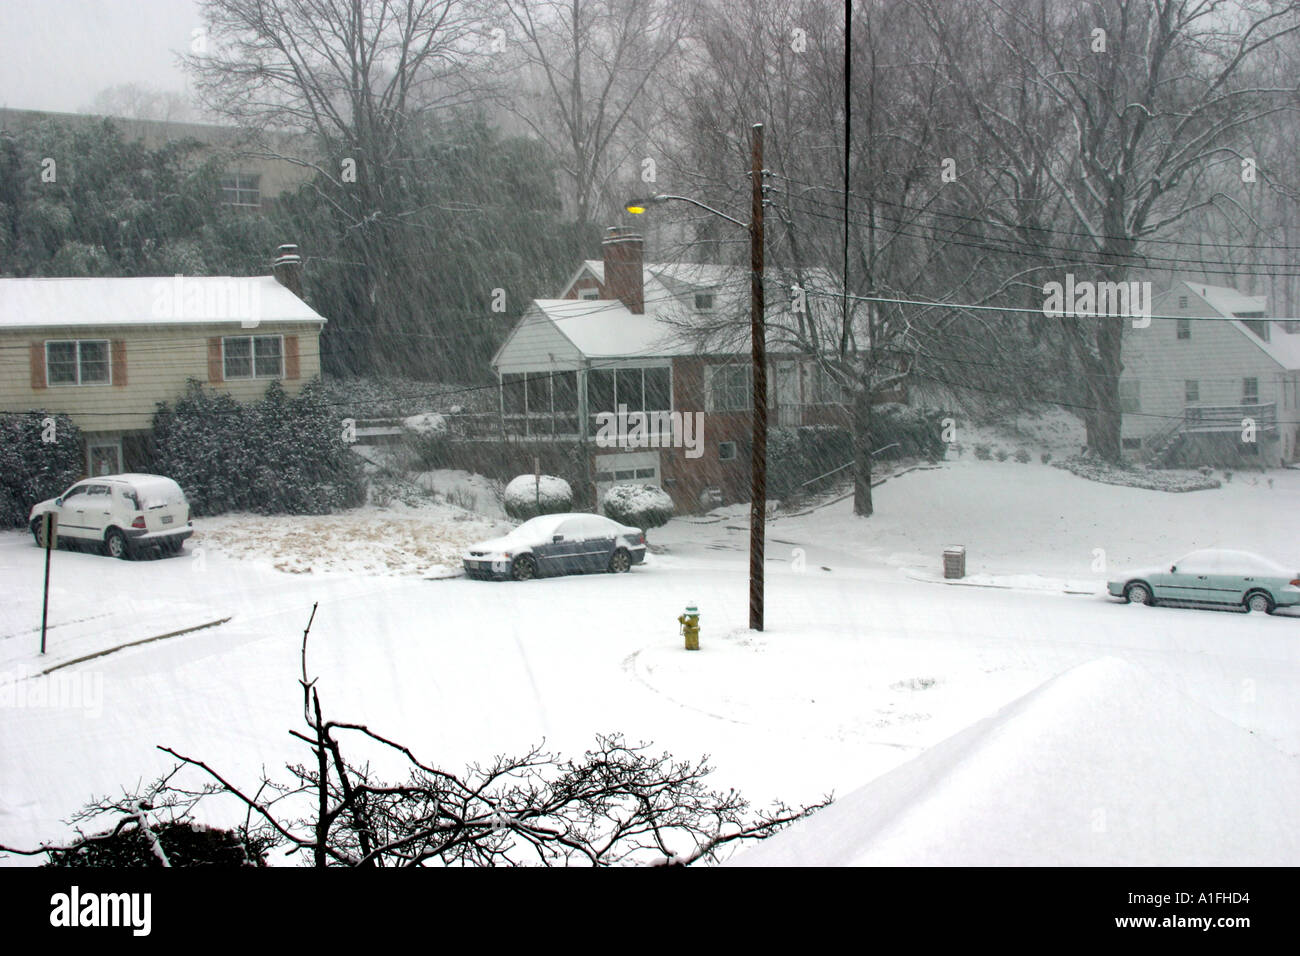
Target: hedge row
{"type": "Point", "coordinates": [280, 455]}
{"type": "Point", "coordinates": [40, 455]}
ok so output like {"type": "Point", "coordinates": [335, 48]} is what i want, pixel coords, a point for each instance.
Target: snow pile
{"type": "Point", "coordinates": [1100, 766]}
{"type": "Point", "coordinates": [426, 423]}
{"type": "Point", "coordinates": [530, 495]}
{"type": "Point", "coordinates": [1095, 470]}
{"type": "Point", "coordinates": [638, 505]}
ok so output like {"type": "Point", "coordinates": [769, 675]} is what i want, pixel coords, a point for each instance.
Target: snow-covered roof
{"type": "Point", "coordinates": [1227, 301]}
{"type": "Point", "coordinates": [149, 301]}
{"type": "Point", "coordinates": [1282, 347]}
{"type": "Point", "coordinates": [606, 328]}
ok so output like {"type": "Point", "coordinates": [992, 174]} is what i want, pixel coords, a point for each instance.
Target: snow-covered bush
{"type": "Point", "coordinates": [32, 469]}
{"type": "Point", "coordinates": [281, 455]}
{"type": "Point", "coordinates": [426, 437]}
{"type": "Point", "coordinates": [983, 452]}
{"type": "Point", "coordinates": [901, 431]}
{"type": "Point", "coordinates": [786, 463]}
{"type": "Point", "coordinates": [1096, 470]}
{"type": "Point", "coordinates": [1023, 456]}
{"type": "Point", "coordinates": [529, 496]}
{"type": "Point", "coordinates": [642, 506]}
{"type": "Point", "coordinates": [183, 843]}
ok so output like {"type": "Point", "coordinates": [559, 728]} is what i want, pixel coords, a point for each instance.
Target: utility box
{"type": "Point", "coordinates": [954, 562]}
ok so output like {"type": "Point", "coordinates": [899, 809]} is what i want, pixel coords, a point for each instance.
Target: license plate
{"type": "Point", "coordinates": [166, 519]}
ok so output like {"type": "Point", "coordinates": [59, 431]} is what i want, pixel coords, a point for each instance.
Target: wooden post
{"type": "Point", "coordinates": [758, 354]}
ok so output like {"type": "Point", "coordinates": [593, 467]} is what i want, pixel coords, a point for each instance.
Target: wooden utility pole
{"type": "Point", "coordinates": [758, 350]}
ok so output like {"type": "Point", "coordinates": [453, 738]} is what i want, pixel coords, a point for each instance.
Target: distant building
{"type": "Point", "coordinates": [1219, 387]}
{"type": "Point", "coordinates": [251, 180]}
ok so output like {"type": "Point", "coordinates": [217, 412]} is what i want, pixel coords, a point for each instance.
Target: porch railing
{"type": "Point", "coordinates": [1225, 418]}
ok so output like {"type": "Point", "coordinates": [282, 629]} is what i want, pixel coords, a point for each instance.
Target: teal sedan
{"type": "Point", "coordinates": [1213, 576]}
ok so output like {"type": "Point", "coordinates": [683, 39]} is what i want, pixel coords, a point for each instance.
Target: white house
{"type": "Point", "coordinates": [1220, 386]}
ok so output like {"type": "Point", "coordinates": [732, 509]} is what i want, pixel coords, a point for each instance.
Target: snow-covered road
{"type": "Point", "coordinates": [860, 667]}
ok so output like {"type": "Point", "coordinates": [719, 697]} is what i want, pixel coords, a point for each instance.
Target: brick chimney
{"type": "Point", "coordinates": [287, 269]}
{"type": "Point", "coordinates": [622, 253]}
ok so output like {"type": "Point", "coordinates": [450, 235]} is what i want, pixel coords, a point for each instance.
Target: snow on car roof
{"type": "Point", "coordinates": [1228, 558]}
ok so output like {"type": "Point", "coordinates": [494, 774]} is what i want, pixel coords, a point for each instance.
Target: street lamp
{"type": "Point", "coordinates": [758, 356]}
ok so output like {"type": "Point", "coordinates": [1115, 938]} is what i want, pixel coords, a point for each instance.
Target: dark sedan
{"type": "Point", "coordinates": [557, 544]}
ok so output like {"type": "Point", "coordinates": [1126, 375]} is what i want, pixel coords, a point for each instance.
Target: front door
{"type": "Point", "coordinates": [104, 457]}
{"type": "Point", "coordinates": [786, 375]}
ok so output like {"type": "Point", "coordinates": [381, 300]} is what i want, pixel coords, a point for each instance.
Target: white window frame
{"type": "Point", "coordinates": [712, 299]}
{"type": "Point", "coordinates": [1191, 385]}
{"type": "Point", "coordinates": [725, 445]}
{"type": "Point", "coordinates": [1183, 330]}
{"type": "Point", "coordinates": [108, 348]}
{"type": "Point", "coordinates": [93, 443]}
{"type": "Point", "coordinates": [252, 358]}
{"type": "Point", "coordinates": [588, 295]}
{"type": "Point", "coordinates": [711, 373]}
{"type": "Point", "coordinates": [239, 191]}
{"type": "Point", "coordinates": [1246, 397]}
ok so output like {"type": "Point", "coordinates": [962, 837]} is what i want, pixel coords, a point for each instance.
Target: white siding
{"type": "Point", "coordinates": [1218, 356]}
{"type": "Point", "coordinates": [536, 345]}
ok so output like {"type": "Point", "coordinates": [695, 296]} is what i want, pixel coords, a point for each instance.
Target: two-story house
{"type": "Point", "coordinates": [1219, 386]}
{"type": "Point", "coordinates": [107, 351]}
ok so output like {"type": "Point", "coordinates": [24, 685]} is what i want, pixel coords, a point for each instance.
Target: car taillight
{"type": "Point", "coordinates": [1295, 583]}
{"type": "Point", "coordinates": [138, 522]}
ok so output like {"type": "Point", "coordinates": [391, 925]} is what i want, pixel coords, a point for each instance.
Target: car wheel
{"type": "Point", "coordinates": [38, 532]}
{"type": "Point", "coordinates": [621, 561]}
{"type": "Point", "coordinates": [115, 544]}
{"type": "Point", "coordinates": [523, 568]}
{"type": "Point", "coordinates": [1139, 593]}
{"type": "Point", "coordinates": [1259, 601]}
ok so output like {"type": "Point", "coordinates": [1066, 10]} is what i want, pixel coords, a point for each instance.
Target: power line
{"type": "Point", "coordinates": [1061, 232]}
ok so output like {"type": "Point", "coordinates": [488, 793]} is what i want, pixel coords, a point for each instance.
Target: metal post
{"type": "Point", "coordinates": [50, 527]}
{"type": "Point", "coordinates": [758, 348]}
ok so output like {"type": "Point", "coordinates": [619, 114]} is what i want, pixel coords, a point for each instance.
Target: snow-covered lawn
{"type": "Point", "coordinates": [428, 540]}
{"type": "Point", "coordinates": [862, 667]}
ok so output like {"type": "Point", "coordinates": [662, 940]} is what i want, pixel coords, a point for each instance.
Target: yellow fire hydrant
{"type": "Point", "coordinates": [690, 622]}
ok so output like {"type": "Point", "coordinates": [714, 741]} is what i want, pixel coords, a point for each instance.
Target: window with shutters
{"type": "Point", "coordinates": [252, 356]}
{"type": "Point", "coordinates": [78, 362]}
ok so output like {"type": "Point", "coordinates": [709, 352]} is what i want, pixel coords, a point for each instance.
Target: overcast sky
{"type": "Point", "coordinates": [57, 54]}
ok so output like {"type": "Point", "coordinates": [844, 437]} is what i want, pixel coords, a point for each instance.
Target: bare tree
{"type": "Point", "coordinates": [133, 101]}
{"type": "Point", "coordinates": [1152, 94]}
{"type": "Point", "coordinates": [619, 804]}
{"type": "Point", "coordinates": [593, 65]}
{"type": "Point", "coordinates": [361, 78]}
{"type": "Point", "coordinates": [862, 260]}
